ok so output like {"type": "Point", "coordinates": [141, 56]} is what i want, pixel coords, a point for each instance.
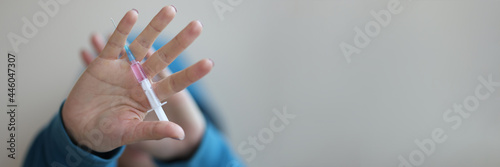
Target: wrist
{"type": "Point", "coordinates": [69, 126]}
{"type": "Point", "coordinates": [66, 127]}
{"type": "Point", "coordinates": [66, 123]}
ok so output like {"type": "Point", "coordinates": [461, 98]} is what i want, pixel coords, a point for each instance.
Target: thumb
{"type": "Point", "coordinates": [154, 130]}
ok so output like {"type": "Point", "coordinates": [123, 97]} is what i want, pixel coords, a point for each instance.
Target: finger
{"type": "Point", "coordinates": [123, 52]}
{"type": "Point", "coordinates": [145, 40]}
{"type": "Point", "coordinates": [151, 51]}
{"type": "Point", "coordinates": [163, 74]}
{"type": "Point", "coordinates": [153, 130]}
{"type": "Point", "coordinates": [86, 57]}
{"type": "Point", "coordinates": [97, 43]}
{"type": "Point", "coordinates": [166, 54]}
{"type": "Point", "coordinates": [117, 41]}
{"type": "Point", "coordinates": [182, 79]}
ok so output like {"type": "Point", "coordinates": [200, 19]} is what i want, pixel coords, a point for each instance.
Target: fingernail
{"type": "Point", "coordinates": [200, 23]}
{"type": "Point", "coordinates": [213, 63]}
{"type": "Point", "coordinates": [135, 10]}
{"type": "Point", "coordinates": [174, 8]}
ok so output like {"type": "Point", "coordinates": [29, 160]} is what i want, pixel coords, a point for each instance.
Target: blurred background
{"type": "Point", "coordinates": [279, 55]}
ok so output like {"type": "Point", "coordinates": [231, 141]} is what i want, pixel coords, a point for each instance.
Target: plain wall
{"type": "Point", "coordinates": [285, 54]}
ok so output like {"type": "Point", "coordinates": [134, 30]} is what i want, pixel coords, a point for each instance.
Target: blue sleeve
{"type": "Point", "coordinates": [53, 147]}
{"type": "Point", "coordinates": [212, 151]}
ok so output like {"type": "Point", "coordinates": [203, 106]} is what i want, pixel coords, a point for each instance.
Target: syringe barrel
{"type": "Point", "coordinates": [153, 100]}
{"type": "Point", "coordinates": [138, 71]}
{"type": "Point", "coordinates": [146, 86]}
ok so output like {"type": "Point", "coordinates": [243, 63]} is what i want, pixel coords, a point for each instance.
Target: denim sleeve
{"type": "Point", "coordinates": [53, 147]}
{"type": "Point", "coordinates": [212, 151]}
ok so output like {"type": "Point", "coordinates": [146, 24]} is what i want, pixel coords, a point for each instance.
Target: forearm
{"type": "Point", "coordinates": [213, 150]}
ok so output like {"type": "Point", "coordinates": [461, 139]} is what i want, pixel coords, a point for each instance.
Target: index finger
{"type": "Point", "coordinates": [117, 41]}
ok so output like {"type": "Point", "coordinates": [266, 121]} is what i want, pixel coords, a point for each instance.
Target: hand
{"type": "Point", "coordinates": [180, 108]}
{"type": "Point", "coordinates": [106, 108]}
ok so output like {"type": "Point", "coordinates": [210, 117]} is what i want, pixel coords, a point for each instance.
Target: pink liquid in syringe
{"type": "Point", "coordinates": [138, 71]}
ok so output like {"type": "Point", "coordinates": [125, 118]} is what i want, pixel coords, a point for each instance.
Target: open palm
{"type": "Point", "coordinates": [107, 106]}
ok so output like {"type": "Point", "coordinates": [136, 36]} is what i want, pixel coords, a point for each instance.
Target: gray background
{"type": "Point", "coordinates": [285, 53]}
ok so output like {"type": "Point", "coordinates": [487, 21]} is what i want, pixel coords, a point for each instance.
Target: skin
{"type": "Point", "coordinates": [107, 107]}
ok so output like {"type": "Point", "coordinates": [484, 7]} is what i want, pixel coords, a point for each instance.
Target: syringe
{"type": "Point", "coordinates": [146, 85]}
